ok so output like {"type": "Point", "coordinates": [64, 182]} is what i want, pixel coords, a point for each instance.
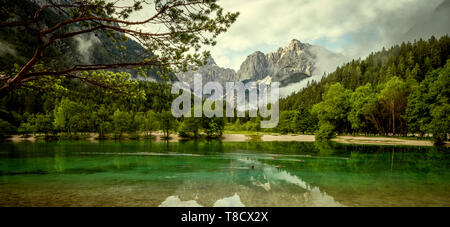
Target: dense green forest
{"type": "Point", "coordinates": [400, 91]}
{"type": "Point", "coordinates": [72, 113]}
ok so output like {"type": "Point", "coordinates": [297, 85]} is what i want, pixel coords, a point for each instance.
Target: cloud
{"type": "Point", "coordinates": [354, 28]}
{"type": "Point", "coordinates": [7, 49]}
{"type": "Point", "coordinates": [84, 45]}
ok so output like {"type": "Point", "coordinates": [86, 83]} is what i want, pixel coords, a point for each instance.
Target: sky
{"type": "Point", "coordinates": [351, 27]}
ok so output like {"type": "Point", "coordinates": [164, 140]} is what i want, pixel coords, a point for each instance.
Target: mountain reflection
{"type": "Point", "coordinates": [246, 188]}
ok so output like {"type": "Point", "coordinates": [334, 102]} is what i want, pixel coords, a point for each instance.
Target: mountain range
{"type": "Point", "coordinates": [291, 64]}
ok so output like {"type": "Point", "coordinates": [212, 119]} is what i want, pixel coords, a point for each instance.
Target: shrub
{"type": "Point", "coordinates": [5, 128]}
{"type": "Point", "coordinates": [326, 132]}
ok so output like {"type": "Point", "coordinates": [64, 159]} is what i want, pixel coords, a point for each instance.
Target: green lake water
{"type": "Point", "coordinates": [221, 174]}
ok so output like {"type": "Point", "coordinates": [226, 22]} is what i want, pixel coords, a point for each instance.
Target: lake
{"type": "Point", "coordinates": [134, 173]}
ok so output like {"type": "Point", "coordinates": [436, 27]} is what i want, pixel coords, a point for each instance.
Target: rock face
{"type": "Point", "coordinates": [293, 61]}
{"type": "Point", "coordinates": [287, 65]}
{"type": "Point", "coordinates": [255, 67]}
{"type": "Point", "coordinates": [210, 72]}
{"type": "Point", "coordinates": [56, 2]}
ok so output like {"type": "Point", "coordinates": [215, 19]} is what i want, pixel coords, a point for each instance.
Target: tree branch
{"type": "Point", "coordinates": [94, 67]}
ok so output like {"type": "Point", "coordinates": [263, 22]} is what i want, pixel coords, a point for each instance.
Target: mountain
{"type": "Point", "coordinates": [255, 67]}
{"type": "Point", "coordinates": [288, 65]}
{"type": "Point", "coordinates": [210, 72]}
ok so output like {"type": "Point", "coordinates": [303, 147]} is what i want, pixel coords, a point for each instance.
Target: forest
{"type": "Point", "coordinates": [402, 91]}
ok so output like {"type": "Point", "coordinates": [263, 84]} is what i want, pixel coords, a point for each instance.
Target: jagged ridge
{"type": "Point", "coordinates": [287, 65]}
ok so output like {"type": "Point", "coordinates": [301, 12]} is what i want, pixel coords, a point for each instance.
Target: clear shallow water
{"type": "Point", "coordinates": [221, 174]}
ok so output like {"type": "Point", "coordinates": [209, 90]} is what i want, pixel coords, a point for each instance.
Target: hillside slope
{"type": "Point", "coordinates": [408, 59]}
{"type": "Point", "coordinates": [19, 43]}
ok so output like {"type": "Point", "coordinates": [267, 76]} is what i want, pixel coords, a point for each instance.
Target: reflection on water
{"type": "Point", "coordinates": [233, 201]}
{"type": "Point", "coordinates": [312, 195]}
{"type": "Point", "coordinates": [221, 174]}
{"type": "Point", "coordinates": [174, 201]}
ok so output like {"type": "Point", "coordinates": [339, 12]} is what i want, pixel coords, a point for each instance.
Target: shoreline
{"type": "Point", "coordinates": [241, 137]}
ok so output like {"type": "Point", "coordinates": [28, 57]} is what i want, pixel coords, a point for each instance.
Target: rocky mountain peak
{"type": "Point", "coordinates": [254, 67]}
{"type": "Point", "coordinates": [210, 72]}
{"type": "Point", "coordinates": [257, 53]}
{"type": "Point", "coordinates": [297, 45]}
{"type": "Point", "coordinates": [289, 64]}
{"type": "Point", "coordinates": [211, 61]}
{"type": "Point", "coordinates": [293, 60]}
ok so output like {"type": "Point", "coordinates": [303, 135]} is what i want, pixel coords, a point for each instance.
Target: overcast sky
{"type": "Point", "coordinates": [352, 27]}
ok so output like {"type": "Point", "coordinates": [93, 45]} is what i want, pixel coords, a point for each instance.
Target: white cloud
{"type": "Point", "coordinates": [7, 49]}
{"type": "Point", "coordinates": [370, 24]}
{"type": "Point", "coordinates": [353, 27]}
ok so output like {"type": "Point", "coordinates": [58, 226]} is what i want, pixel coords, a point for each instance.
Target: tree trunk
{"type": "Point", "coordinates": [102, 133]}
{"type": "Point", "coordinates": [393, 118]}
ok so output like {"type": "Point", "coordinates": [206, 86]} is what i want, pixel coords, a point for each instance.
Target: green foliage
{"type": "Point", "coordinates": [168, 123]}
{"type": "Point", "coordinates": [326, 131]}
{"type": "Point", "coordinates": [150, 123]}
{"type": "Point", "coordinates": [6, 128]}
{"type": "Point", "coordinates": [70, 116]}
{"type": "Point", "coordinates": [121, 122]}
{"type": "Point", "coordinates": [115, 82]}
{"type": "Point", "coordinates": [26, 128]}
{"type": "Point", "coordinates": [43, 123]}
{"type": "Point", "coordinates": [440, 126]}
{"type": "Point", "coordinates": [244, 124]}
{"type": "Point", "coordinates": [440, 109]}
{"type": "Point", "coordinates": [405, 61]}
{"type": "Point", "coordinates": [287, 118]}
{"type": "Point", "coordinates": [418, 109]}
{"type": "Point", "coordinates": [213, 127]}
{"type": "Point", "coordinates": [304, 121]}
{"type": "Point", "coordinates": [361, 101]}
{"type": "Point", "coordinates": [137, 122]}
{"type": "Point", "coordinates": [334, 108]}
{"type": "Point", "coordinates": [393, 98]}
{"type": "Point", "coordinates": [397, 91]}
{"type": "Point", "coordinates": [190, 127]}
{"type": "Point", "coordinates": [393, 92]}
{"type": "Point", "coordinates": [85, 109]}
{"type": "Point", "coordinates": [101, 120]}
{"type": "Point", "coordinates": [428, 106]}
